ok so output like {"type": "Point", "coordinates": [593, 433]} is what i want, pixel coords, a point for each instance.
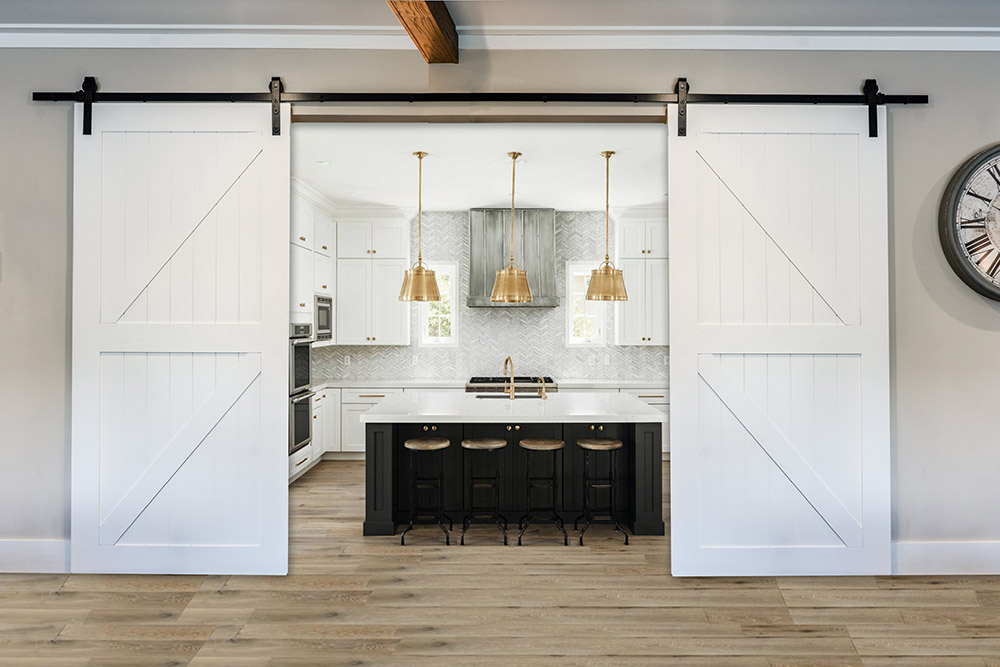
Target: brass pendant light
{"type": "Point", "coordinates": [419, 282]}
{"type": "Point", "coordinates": [606, 282]}
{"type": "Point", "coordinates": [511, 285]}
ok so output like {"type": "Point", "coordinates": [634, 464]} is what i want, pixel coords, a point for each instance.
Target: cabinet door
{"type": "Point", "coordinates": [331, 420]}
{"type": "Point", "coordinates": [656, 239]}
{"type": "Point", "coordinates": [324, 234]}
{"type": "Point", "coordinates": [354, 239]}
{"type": "Point", "coordinates": [390, 317]}
{"type": "Point", "coordinates": [301, 224]}
{"type": "Point", "coordinates": [631, 239]}
{"type": "Point", "coordinates": [657, 297]}
{"type": "Point", "coordinates": [630, 323]}
{"type": "Point", "coordinates": [301, 284]}
{"type": "Point", "coordinates": [352, 430]}
{"type": "Point", "coordinates": [324, 277]}
{"type": "Point", "coordinates": [391, 239]}
{"type": "Point", "coordinates": [354, 278]}
{"type": "Point", "coordinates": [318, 425]}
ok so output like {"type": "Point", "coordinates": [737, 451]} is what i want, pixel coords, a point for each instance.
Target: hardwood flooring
{"type": "Point", "coordinates": [367, 601]}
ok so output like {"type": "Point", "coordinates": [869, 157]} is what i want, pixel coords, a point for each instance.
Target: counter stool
{"type": "Point", "coordinates": [552, 483]}
{"type": "Point", "coordinates": [590, 484]}
{"type": "Point", "coordinates": [433, 514]}
{"type": "Point", "coordinates": [485, 513]}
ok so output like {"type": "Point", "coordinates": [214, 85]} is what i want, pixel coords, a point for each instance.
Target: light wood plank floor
{"type": "Point", "coordinates": [360, 601]}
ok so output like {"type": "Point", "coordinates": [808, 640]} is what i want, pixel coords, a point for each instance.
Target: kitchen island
{"type": "Point", "coordinates": [568, 417]}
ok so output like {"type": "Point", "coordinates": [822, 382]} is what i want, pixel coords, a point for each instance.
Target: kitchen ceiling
{"type": "Point", "coordinates": [467, 166]}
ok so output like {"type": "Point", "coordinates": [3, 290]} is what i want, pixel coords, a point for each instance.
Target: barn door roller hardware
{"type": "Point", "coordinates": [682, 96]}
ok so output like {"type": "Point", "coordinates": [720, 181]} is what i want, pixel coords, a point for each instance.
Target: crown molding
{"type": "Point", "coordinates": [527, 38]}
{"type": "Point", "coordinates": [307, 192]}
{"type": "Point", "coordinates": [370, 213]}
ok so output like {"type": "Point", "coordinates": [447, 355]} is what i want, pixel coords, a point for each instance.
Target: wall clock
{"type": "Point", "coordinates": [969, 222]}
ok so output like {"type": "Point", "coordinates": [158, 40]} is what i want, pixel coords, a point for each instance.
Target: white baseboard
{"type": "Point", "coordinates": [34, 555]}
{"type": "Point", "coordinates": [946, 558]}
{"type": "Point", "coordinates": [343, 456]}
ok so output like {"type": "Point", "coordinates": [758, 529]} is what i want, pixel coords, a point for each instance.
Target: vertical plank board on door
{"type": "Point", "coordinates": [779, 405]}
{"type": "Point", "coordinates": [712, 468]}
{"type": "Point", "coordinates": [204, 239]}
{"type": "Point", "coordinates": [757, 385]}
{"type": "Point", "coordinates": [801, 432]}
{"type": "Point", "coordinates": [158, 435]}
{"type": "Point", "coordinates": [249, 243]}
{"type": "Point", "coordinates": [731, 225]}
{"type": "Point", "coordinates": [848, 434]}
{"type": "Point", "coordinates": [136, 216]}
{"type": "Point", "coordinates": [159, 205]}
{"type": "Point", "coordinates": [734, 439]}
{"type": "Point", "coordinates": [112, 435]}
{"type": "Point", "coordinates": [198, 468]}
{"type": "Point", "coordinates": [824, 215]}
{"type": "Point", "coordinates": [247, 467]}
{"type": "Point", "coordinates": [134, 454]}
{"type": "Point", "coordinates": [848, 267]}
{"type": "Point", "coordinates": [114, 166]}
{"type": "Point", "coordinates": [225, 448]}
{"type": "Point", "coordinates": [801, 294]}
{"type": "Point", "coordinates": [182, 406]}
{"type": "Point", "coordinates": [182, 210]}
{"type": "Point", "coordinates": [709, 239]}
{"type": "Point", "coordinates": [825, 431]}
{"type": "Point", "coordinates": [776, 193]}
{"type": "Point", "coordinates": [754, 283]}
{"type": "Point", "coordinates": [227, 233]}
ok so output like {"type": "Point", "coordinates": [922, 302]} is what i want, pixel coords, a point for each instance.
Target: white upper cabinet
{"type": "Point", "coordinates": [354, 277]}
{"type": "Point", "coordinates": [324, 277]}
{"type": "Point", "coordinates": [325, 233]}
{"type": "Point", "coordinates": [354, 240]}
{"type": "Point", "coordinates": [391, 239]}
{"type": "Point", "coordinates": [642, 256]}
{"type": "Point", "coordinates": [302, 223]}
{"type": "Point", "coordinates": [301, 284]}
{"type": "Point", "coordinates": [390, 317]}
{"type": "Point", "coordinates": [631, 239]}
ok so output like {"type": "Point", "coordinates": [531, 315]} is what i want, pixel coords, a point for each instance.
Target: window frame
{"type": "Point", "coordinates": [573, 268]}
{"type": "Point", "coordinates": [425, 307]}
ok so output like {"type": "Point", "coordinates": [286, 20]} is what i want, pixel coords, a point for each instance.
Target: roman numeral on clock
{"type": "Point", "coordinates": [994, 266]}
{"type": "Point", "coordinates": [973, 223]}
{"type": "Point", "coordinates": [994, 171]}
{"type": "Point", "coordinates": [978, 244]}
{"type": "Point", "coordinates": [978, 196]}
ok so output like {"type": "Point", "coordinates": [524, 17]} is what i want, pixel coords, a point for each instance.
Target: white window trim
{"type": "Point", "coordinates": [572, 268]}
{"type": "Point", "coordinates": [451, 267]}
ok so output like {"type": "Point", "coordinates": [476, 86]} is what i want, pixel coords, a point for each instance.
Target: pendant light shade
{"type": "Point", "coordinates": [419, 282]}
{"type": "Point", "coordinates": [511, 284]}
{"type": "Point", "coordinates": [607, 282]}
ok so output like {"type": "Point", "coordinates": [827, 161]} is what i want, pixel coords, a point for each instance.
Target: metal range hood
{"type": "Point", "coordinates": [534, 251]}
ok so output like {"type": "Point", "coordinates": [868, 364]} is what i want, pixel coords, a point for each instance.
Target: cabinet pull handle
{"type": "Point", "coordinates": [302, 238]}
{"type": "Point", "coordinates": [301, 462]}
{"type": "Point", "coordinates": [651, 396]}
{"type": "Point", "coordinates": [373, 396]}
{"type": "Point", "coordinates": [302, 305]}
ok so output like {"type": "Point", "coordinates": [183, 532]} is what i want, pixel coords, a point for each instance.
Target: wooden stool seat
{"type": "Point", "coordinates": [599, 444]}
{"type": "Point", "coordinates": [427, 444]}
{"type": "Point", "coordinates": [485, 444]}
{"type": "Point", "coordinates": [542, 444]}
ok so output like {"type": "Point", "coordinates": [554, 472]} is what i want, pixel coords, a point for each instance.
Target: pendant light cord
{"type": "Point", "coordinates": [513, 172]}
{"type": "Point", "coordinates": [607, 204]}
{"type": "Point", "coordinates": [420, 205]}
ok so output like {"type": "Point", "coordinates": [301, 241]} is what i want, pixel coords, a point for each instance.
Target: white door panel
{"type": "Point", "coordinates": [354, 240]}
{"type": "Point", "coordinates": [778, 327]}
{"type": "Point", "coordinates": [353, 301]}
{"type": "Point", "coordinates": [326, 240]}
{"type": "Point", "coordinates": [656, 239]}
{"type": "Point", "coordinates": [180, 361]}
{"type": "Point", "coordinates": [390, 317]}
{"type": "Point", "coordinates": [657, 302]}
{"type": "Point", "coordinates": [353, 430]}
{"type": "Point", "coordinates": [390, 239]}
{"type": "Point", "coordinates": [630, 316]}
{"type": "Point", "coordinates": [301, 286]}
{"type": "Point", "coordinates": [631, 239]}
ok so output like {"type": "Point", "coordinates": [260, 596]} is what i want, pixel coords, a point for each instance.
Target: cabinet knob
{"type": "Point", "coordinates": [517, 428]}
{"type": "Point", "coordinates": [324, 286]}
{"type": "Point", "coordinates": [302, 305]}
{"type": "Point", "coordinates": [601, 427]}
{"type": "Point", "coordinates": [315, 416]}
{"type": "Point", "coordinates": [324, 395]}
{"type": "Point", "coordinates": [368, 251]}
{"type": "Point", "coordinates": [324, 247]}
{"type": "Point", "coordinates": [425, 428]}
{"type": "Point", "coordinates": [509, 427]}
{"type": "Point", "coordinates": [434, 428]}
{"type": "Point", "coordinates": [591, 427]}
{"type": "Point", "coordinates": [373, 252]}
{"type": "Point", "coordinates": [302, 238]}
{"type": "Point", "coordinates": [373, 337]}
{"type": "Point", "coordinates": [368, 337]}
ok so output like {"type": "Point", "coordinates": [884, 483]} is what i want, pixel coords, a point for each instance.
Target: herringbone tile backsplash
{"type": "Point", "coordinates": [534, 337]}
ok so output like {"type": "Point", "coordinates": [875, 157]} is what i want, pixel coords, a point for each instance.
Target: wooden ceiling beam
{"type": "Point", "coordinates": [430, 27]}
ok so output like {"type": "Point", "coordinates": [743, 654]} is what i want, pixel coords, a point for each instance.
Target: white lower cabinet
{"type": "Point", "coordinates": [318, 426]}
{"type": "Point", "coordinates": [299, 462]}
{"type": "Point", "coordinates": [354, 402]}
{"type": "Point", "coordinates": [331, 420]}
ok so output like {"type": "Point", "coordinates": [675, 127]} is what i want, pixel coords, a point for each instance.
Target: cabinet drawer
{"type": "Point", "coordinates": [368, 395]}
{"type": "Point", "coordinates": [299, 461]}
{"type": "Point", "coordinates": [654, 396]}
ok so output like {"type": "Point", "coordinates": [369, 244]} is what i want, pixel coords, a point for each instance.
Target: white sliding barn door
{"type": "Point", "coordinates": [180, 335]}
{"type": "Point", "coordinates": [779, 343]}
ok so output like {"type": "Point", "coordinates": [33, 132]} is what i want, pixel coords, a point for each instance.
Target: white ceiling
{"type": "Point", "coordinates": [494, 13]}
{"type": "Point", "coordinates": [467, 164]}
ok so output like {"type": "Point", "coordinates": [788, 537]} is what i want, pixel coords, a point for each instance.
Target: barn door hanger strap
{"type": "Point", "coordinates": [869, 97]}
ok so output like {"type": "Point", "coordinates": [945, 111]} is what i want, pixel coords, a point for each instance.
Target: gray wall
{"type": "Point", "coordinates": [944, 336]}
{"type": "Point", "coordinates": [536, 337]}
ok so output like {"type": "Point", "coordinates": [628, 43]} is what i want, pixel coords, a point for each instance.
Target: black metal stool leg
{"type": "Point", "coordinates": [555, 498]}
{"type": "Point", "coordinates": [413, 498]}
{"type": "Point", "coordinates": [525, 519]}
{"type": "Point", "coordinates": [586, 496]}
{"type": "Point", "coordinates": [614, 495]}
{"type": "Point", "coordinates": [496, 497]}
{"type": "Point", "coordinates": [439, 514]}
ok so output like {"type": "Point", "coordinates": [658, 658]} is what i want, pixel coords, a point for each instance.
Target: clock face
{"type": "Point", "coordinates": [970, 223]}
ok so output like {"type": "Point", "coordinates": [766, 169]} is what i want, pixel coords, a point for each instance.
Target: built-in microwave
{"type": "Point", "coordinates": [299, 359]}
{"type": "Point", "coordinates": [324, 318]}
{"type": "Point", "coordinates": [299, 421]}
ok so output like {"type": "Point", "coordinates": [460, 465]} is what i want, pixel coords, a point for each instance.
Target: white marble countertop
{"type": "Point", "coordinates": [417, 406]}
{"type": "Point", "coordinates": [416, 383]}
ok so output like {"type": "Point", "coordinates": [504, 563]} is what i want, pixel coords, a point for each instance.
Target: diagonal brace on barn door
{"type": "Point", "coordinates": [777, 447]}
{"type": "Point", "coordinates": [180, 448]}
